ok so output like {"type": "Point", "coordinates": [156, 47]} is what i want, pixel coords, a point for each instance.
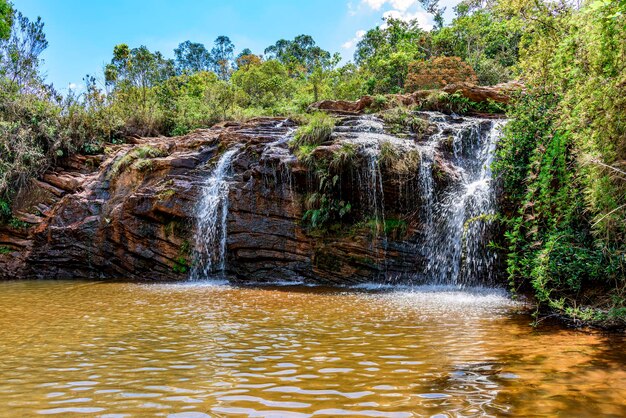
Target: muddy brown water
{"type": "Point", "coordinates": [196, 350]}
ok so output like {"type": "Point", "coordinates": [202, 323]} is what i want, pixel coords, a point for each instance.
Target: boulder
{"type": "Point", "coordinates": [500, 93]}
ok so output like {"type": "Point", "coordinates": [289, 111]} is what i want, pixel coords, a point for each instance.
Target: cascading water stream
{"type": "Point", "coordinates": [278, 158]}
{"type": "Point", "coordinates": [212, 213]}
{"type": "Point", "coordinates": [457, 219]}
{"type": "Point", "coordinates": [479, 197]}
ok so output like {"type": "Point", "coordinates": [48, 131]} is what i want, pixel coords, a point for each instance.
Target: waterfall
{"type": "Point", "coordinates": [278, 158]}
{"type": "Point", "coordinates": [457, 218]}
{"type": "Point", "coordinates": [454, 210]}
{"type": "Point", "coordinates": [478, 258]}
{"type": "Point", "coordinates": [371, 181]}
{"type": "Point", "coordinates": [212, 213]}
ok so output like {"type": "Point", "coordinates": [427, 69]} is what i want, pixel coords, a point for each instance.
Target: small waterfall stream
{"type": "Point", "coordinates": [456, 214]}
{"type": "Point", "coordinates": [212, 213]}
{"type": "Point", "coordinates": [457, 218]}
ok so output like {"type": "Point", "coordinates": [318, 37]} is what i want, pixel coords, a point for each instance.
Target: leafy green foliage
{"type": "Point", "coordinates": [263, 84]}
{"type": "Point", "coordinates": [386, 53]}
{"type": "Point", "coordinates": [322, 206]}
{"type": "Point", "coordinates": [345, 156]}
{"type": "Point", "coordinates": [399, 120]}
{"type": "Point", "coordinates": [222, 56]}
{"type": "Point", "coordinates": [487, 40]}
{"type": "Point", "coordinates": [399, 161]}
{"type": "Point", "coordinates": [192, 57]}
{"type": "Point", "coordinates": [136, 157]}
{"type": "Point", "coordinates": [18, 224]}
{"type": "Point", "coordinates": [562, 156]}
{"type": "Point", "coordinates": [395, 229]}
{"type": "Point", "coordinates": [20, 54]}
{"type": "Point", "coordinates": [303, 58]}
{"type": "Point", "coordinates": [6, 19]}
{"type": "Point", "coordinates": [182, 263]}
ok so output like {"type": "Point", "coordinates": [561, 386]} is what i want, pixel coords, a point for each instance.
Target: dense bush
{"type": "Point", "coordinates": [438, 72]}
{"type": "Point", "coordinates": [486, 38]}
{"type": "Point", "coordinates": [562, 159]}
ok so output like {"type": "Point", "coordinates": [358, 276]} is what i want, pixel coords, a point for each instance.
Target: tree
{"type": "Point", "coordinates": [386, 52]}
{"type": "Point", "coordinates": [346, 82]}
{"type": "Point", "coordinates": [137, 68]}
{"type": "Point", "coordinates": [19, 54]}
{"type": "Point", "coordinates": [300, 56]}
{"type": "Point", "coordinates": [246, 59]}
{"type": "Point", "coordinates": [303, 58]}
{"type": "Point", "coordinates": [321, 68]}
{"type": "Point", "coordinates": [487, 40]}
{"type": "Point", "coordinates": [222, 56]}
{"type": "Point", "coordinates": [264, 85]}
{"type": "Point", "coordinates": [192, 57]}
{"type": "Point", "coordinates": [6, 19]}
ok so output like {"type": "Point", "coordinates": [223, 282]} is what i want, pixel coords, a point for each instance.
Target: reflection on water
{"type": "Point", "coordinates": [114, 350]}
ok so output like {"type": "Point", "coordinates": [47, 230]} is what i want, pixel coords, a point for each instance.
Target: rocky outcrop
{"type": "Point", "coordinates": [344, 106]}
{"type": "Point", "coordinates": [130, 213]}
{"type": "Point", "coordinates": [500, 93]}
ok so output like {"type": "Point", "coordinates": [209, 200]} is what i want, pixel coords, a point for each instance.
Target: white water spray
{"type": "Point", "coordinates": [212, 213]}
{"type": "Point", "coordinates": [457, 219]}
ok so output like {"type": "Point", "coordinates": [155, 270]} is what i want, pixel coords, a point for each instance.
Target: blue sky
{"type": "Point", "coordinates": [82, 33]}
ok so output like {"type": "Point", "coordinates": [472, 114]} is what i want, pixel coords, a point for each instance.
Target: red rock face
{"type": "Point", "coordinates": [121, 217]}
{"type": "Point", "coordinates": [500, 93]}
{"type": "Point", "coordinates": [130, 215]}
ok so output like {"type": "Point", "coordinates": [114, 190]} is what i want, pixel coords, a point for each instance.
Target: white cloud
{"type": "Point", "coordinates": [76, 87]}
{"type": "Point", "coordinates": [401, 5]}
{"type": "Point", "coordinates": [408, 10]}
{"type": "Point", "coordinates": [424, 19]}
{"type": "Point", "coordinates": [352, 42]}
{"type": "Point", "coordinates": [352, 11]}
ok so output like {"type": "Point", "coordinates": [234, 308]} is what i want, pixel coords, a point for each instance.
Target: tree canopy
{"type": "Point", "coordinates": [6, 19]}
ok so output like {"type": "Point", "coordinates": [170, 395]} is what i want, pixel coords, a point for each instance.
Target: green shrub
{"type": "Point", "coordinates": [380, 102]}
{"type": "Point", "coordinates": [400, 119]}
{"type": "Point", "coordinates": [182, 263]}
{"type": "Point", "coordinates": [5, 210]}
{"type": "Point", "coordinates": [400, 162]}
{"type": "Point", "coordinates": [344, 156]}
{"type": "Point", "coordinates": [139, 157]}
{"type": "Point", "coordinates": [317, 131]}
{"type": "Point", "coordinates": [304, 153]}
{"type": "Point", "coordinates": [323, 207]}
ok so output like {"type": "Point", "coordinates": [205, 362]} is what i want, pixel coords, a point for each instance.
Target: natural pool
{"type": "Point", "coordinates": [115, 350]}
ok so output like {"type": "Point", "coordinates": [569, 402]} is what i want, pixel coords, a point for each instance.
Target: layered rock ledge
{"type": "Point", "coordinates": [129, 214]}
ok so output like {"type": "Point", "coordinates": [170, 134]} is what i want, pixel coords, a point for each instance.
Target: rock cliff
{"type": "Point", "coordinates": [130, 213]}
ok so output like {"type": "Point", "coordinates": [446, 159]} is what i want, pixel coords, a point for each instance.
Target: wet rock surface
{"type": "Point", "coordinates": [131, 214]}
